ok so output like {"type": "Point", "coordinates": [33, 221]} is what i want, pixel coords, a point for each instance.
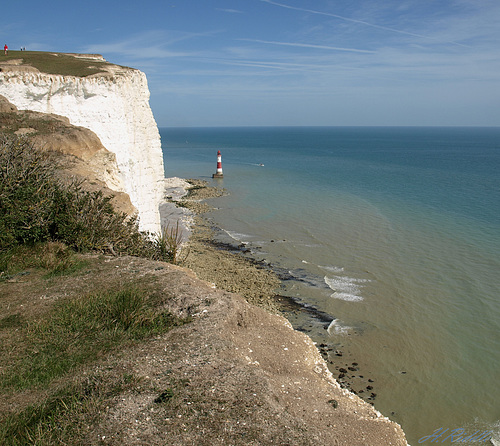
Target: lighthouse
{"type": "Point", "coordinates": [218, 173]}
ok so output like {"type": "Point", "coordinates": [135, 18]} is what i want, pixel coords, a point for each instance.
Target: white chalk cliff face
{"type": "Point", "coordinates": [115, 106]}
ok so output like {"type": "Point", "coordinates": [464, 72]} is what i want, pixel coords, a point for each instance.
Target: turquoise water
{"type": "Point", "coordinates": [392, 232]}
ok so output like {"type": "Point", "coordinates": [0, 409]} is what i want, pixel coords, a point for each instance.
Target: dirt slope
{"type": "Point", "coordinates": [236, 374]}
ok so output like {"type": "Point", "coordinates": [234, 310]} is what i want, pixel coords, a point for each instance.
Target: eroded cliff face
{"type": "Point", "coordinates": [81, 155]}
{"type": "Point", "coordinates": [115, 106]}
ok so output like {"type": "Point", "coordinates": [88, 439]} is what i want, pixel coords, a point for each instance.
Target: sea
{"type": "Point", "coordinates": [389, 239]}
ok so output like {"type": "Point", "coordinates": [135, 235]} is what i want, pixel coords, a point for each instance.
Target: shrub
{"type": "Point", "coordinates": [27, 188]}
{"type": "Point", "coordinates": [167, 244]}
{"type": "Point", "coordinates": [36, 206]}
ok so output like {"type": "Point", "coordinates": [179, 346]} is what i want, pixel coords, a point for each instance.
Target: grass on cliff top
{"type": "Point", "coordinates": [53, 387]}
{"type": "Point", "coordinates": [57, 63]}
{"type": "Point", "coordinates": [76, 331]}
{"type": "Point", "coordinates": [39, 123]}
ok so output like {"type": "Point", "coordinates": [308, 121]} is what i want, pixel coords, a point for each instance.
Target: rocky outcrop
{"type": "Point", "coordinates": [114, 104]}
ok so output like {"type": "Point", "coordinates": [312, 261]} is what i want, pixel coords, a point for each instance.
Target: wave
{"type": "Point", "coordinates": [346, 288]}
{"type": "Point", "coordinates": [238, 236]}
{"type": "Point", "coordinates": [335, 328]}
{"type": "Point", "coordinates": [332, 269]}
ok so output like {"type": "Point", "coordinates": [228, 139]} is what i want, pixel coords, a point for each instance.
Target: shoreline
{"type": "Point", "coordinates": [229, 267]}
{"type": "Point", "coordinates": [222, 266]}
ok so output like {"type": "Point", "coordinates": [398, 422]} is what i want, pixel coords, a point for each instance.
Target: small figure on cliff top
{"type": "Point", "coordinates": [6, 49]}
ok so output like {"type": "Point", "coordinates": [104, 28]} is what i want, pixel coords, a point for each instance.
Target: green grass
{"type": "Point", "coordinates": [54, 258]}
{"type": "Point", "coordinates": [57, 63]}
{"type": "Point", "coordinates": [11, 321]}
{"type": "Point", "coordinates": [38, 123]}
{"type": "Point", "coordinates": [52, 355]}
{"type": "Point", "coordinates": [77, 331]}
{"type": "Point", "coordinates": [64, 415]}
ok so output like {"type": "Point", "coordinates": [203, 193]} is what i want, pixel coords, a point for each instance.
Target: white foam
{"type": "Point", "coordinates": [345, 288]}
{"type": "Point", "coordinates": [337, 329]}
{"type": "Point", "coordinates": [332, 269]}
{"type": "Point", "coordinates": [237, 235]}
{"type": "Point", "coordinates": [347, 297]}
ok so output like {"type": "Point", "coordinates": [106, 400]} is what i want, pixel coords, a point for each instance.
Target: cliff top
{"type": "Point", "coordinates": [236, 374]}
{"type": "Point", "coordinates": [64, 64]}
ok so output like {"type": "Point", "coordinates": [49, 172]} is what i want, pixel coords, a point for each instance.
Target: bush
{"type": "Point", "coordinates": [27, 188]}
{"type": "Point", "coordinates": [167, 244]}
{"type": "Point", "coordinates": [36, 206]}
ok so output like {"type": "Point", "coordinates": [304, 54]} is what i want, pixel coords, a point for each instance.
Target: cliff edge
{"type": "Point", "coordinates": [235, 374]}
{"type": "Point", "coordinates": [110, 100]}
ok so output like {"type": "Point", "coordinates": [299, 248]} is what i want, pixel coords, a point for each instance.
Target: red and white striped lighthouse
{"type": "Point", "coordinates": [218, 173]}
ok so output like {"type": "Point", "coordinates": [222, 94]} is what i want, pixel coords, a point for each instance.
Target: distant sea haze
{"type": "Point", "coordinates": [392, 232]}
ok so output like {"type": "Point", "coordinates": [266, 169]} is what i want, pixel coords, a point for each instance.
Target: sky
{"type": "Point", "coordinates": [287, 62]}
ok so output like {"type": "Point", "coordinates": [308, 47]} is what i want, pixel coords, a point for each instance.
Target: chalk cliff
{"type": "Point", "coordinates": [114, 104]}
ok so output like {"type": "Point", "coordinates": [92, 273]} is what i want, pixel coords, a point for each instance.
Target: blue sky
{"type": "Point", "coordinates": [287, 62]}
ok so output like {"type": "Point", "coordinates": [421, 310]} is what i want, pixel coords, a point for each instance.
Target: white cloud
{"type": "Point", "coordinates": [308, 45]}
{"type": "Point", "coordinates": [230, 11]}
{"type": "Point", "coordinates": [360, 22]}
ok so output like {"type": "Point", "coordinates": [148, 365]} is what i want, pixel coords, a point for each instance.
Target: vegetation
{"type": "Point", "coordinates": [57, 344]}
{"type": "Point", "coordinates": [37, 207]}
{"type": "Point", "coordinates": [39, 125]}
{"type": "Point", "coordinates": [61, 418]}
{"type": "Point", "coordinates": [54, 258]}
{"type": "Point", "coordinates": [47, 352]}
{"type": "Point", "coordinates": [58, 63]}
{"type": "Point", "coordinates": [79, 330]}
{"type": "Point", "coordinates": [167, 243]}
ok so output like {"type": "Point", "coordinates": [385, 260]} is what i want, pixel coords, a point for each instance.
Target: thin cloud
{"type": "Point", "coordinates": [230, 11]}
{"type": "Point", "coordinates": [308, 45]}
{"type": "Point", "coordinates": [361, 22]}
{"type": "Point", "coordinates": [150, 44]}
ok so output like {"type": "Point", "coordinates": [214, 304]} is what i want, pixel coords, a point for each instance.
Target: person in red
{"type": "Point", "coordinates": [6, 49]}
